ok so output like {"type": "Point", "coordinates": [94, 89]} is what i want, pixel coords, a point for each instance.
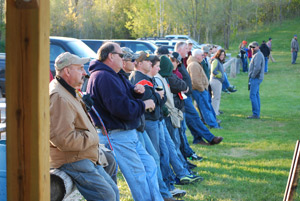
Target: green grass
{"type": "Point", "coordinates": [254, 159]}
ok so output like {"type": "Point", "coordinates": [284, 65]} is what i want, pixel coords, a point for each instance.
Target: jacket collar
{"type": "Point", "coordinates": [66, 85]}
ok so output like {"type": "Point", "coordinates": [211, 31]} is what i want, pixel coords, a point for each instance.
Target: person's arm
{"type": "Point", "coordinates": [176, 84]}
{"type": "Point", "coordinates": [257, 65]}
{"type": "Point", "coordinates": [63, 133]}
{"type": "Point", "coordinates": [115, 99]}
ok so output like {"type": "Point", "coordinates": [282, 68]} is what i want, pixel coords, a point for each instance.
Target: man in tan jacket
{"type": "Point", "coordinates": [74, 142]}
{"type": "Point", "coordinates": [200, 94]}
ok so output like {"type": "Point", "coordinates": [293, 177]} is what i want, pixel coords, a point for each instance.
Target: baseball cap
{"type": "Point", "coordinates": [128, 54]}
{"type": "Point", "coordinates": [177, 56]}
{"type": "Point", "coordinates": [189, 42]}
{"type": "Point", "coordinates": [244, 42]}
{"type": "Point", "coordinates": [162, 50]}
{"type": "Point", "coordinates": [67, 59]}
{"type": "Point", "coordinates": [144, 56]}
{"type": "Point", "coordinates": [205, 49]}
{"type": "Point", "coordinates": [254, 44]}
{"type": "Point", "coordinates": [295, 35]}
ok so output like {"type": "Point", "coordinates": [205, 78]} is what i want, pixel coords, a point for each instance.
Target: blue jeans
{"type": "Point", "coordinates": [185, 148]}
{"type": "Point", "coordinates": [175, 148]}
{"type": "Point", "coordinates": [254, 96]}
{"type": "Point", "coordinates": [245, 64]}
{"type": "Point", "coordinates": [137, 166]}
{"type": "Point", "coordinates": [294, 57]}
{"type": "Point", "coordinates": [193, 121]}
{"type": "Point", "coordinates": [146, 142]}
{"type": "Point", "coordinates": [91, 180]}
{"type": "Point", "coordinates": [266, 64]}
{"type": "Point", "coordinates": [206, 109]}
{"type": "Point", "coordinates": [226, 83]}
{"type": "Point", "coordinates": [152, 129]}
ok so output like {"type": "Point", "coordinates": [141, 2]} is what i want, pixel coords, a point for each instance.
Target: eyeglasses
{"type": "Point", "coordinates": [121, 55]}
{"type": "Point", "coordinates": [131, 60]}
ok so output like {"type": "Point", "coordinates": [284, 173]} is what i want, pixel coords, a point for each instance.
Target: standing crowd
{"type": "Point", "coordinates": [135, 113]}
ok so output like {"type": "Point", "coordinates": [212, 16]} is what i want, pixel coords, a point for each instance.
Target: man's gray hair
{"type": "Point", "coordinates": [196, 52]}
{"type": "Point", "coordinates": [179, 45]}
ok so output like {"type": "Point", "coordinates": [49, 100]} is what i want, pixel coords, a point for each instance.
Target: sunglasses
{"type": "Point", "coordinates": [121, 55]}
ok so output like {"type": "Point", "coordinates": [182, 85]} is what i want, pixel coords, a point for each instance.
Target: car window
{"type": "Point", "coordinates": [94, 45]}
{"type": "Point", "coordinates": [55, 50]}
{"type": "Point", "coordinates": [81, 49]}
{"type": "Point", "coordinates": [141, 47]}
{"type": "Point", "coordinates": [161, 43]}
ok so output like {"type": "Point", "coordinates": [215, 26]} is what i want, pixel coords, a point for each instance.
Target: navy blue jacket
{"type": "Point", "coordinates": [114, 98]}
{"type": "Point", "coordinates": [137, 77]}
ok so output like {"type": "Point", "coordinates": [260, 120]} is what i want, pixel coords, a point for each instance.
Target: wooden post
{"type": "Point", "coordinates": [293, 176]}
{"type": "Point", "coordinates": [27, 97]}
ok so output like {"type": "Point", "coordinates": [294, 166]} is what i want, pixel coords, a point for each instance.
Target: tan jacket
{"type": "Point", "coordinates": [198, 77]}
{"type": "Point", "coordinates": [72, 134]}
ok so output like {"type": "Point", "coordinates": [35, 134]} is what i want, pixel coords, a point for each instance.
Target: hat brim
{"type": "Point", "coordinates": [151, 57]}
{"type": "Point", "coordinates": [80, 61]}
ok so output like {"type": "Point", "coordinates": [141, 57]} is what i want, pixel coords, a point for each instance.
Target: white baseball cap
{"type": "Point", "coordinates": [66, 59]}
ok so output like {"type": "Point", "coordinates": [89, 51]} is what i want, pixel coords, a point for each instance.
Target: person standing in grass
{"type": "Point", "coordinates": [294, 49]}
{"type": "Point", "coordinates": [256, 76]}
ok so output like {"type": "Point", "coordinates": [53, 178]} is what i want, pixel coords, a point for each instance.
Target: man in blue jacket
{"type": "Point", "coordinates": [121, 107]}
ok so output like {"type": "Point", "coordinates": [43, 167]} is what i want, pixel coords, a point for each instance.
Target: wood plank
{"type": "Point", "coordinates": [27, 79]}
{"type": "Point", "coordinates": [293, 176]}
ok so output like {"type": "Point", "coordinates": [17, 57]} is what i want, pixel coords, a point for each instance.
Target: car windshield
{"type": "Point", "coordinates": [81, 49]}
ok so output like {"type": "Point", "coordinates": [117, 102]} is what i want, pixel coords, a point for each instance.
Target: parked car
{"type": "Point", "coordinates": [58, 45]}
{"type": "Point", "coordinates": [134, 45]}
{"type": "Point", "coordinates": [2, 74]}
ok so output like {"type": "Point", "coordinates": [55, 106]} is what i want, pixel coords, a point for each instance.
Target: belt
{"type": "Point", "coordinates": [109, 132]}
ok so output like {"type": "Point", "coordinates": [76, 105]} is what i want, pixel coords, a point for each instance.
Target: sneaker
{"type": "Point", "coordinates": [191, 165]}
{"type": "Point", "coordinates": [231, 89]}
{"type": "Point", "coordinates": [178, 193]}
{"type": "Point", "coordinates": [190, 179]}
{"type": "Point", "coordinates": [194, 157]}
{"type": "Point", "coordinates": [226, 91]}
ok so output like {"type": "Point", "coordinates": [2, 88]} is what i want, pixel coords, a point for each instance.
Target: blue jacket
{"type": "Point", "coordinates": [114, 98]}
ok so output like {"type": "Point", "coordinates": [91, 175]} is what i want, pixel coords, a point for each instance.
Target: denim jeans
{"type": "Point", "coordinates": [266, 64]}
{"type": "Point", "coordinates": [185, 148]}
{"type": "Point", "coordinates": [152, 129]}
{"type": "Point", "coordinates": [206, 109]}
{"type": "Point", "coordinates": [193, 121]}
{"type": "Point", "coordinates": [177, 161]}
{"type": "Point", "coordinates": [137, 166]}
{"type": "Point", "coordinates": [91, 180]}
{"type": "Point", "coordinates": [245, 64]}
{"type": "Point", "coordinates": [254, 96]}
{"type": "Point", "coordinates": [146, 142]}
{"type": "Point", "coordinates": [226, 83]}
{"type": "Point", "coordinates": [294, 57]}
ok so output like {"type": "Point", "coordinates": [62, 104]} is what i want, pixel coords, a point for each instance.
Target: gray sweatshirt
{"type": "Point", "coordinates": [257, 66]}
{"type": "Point", "coordinates": [294, 45]}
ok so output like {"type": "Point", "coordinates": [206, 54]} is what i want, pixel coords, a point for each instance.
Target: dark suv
{"type": "Point", "coordinates": [58, 45]}
{"type": "Point", "coordinates": [134, 45]}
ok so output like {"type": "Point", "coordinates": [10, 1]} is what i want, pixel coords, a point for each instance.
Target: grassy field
{"type": "Point", "coordinates": [253, 161]}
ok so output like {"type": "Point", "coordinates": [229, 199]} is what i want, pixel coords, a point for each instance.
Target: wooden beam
{"type": "Point", "coordinates": [27, 97]}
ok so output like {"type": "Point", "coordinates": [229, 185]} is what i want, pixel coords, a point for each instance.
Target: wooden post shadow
{"type": "Point", "coordinates": [293, 176]}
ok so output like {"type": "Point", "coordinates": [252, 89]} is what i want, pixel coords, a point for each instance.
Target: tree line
{"type": "Point", "coordinates": [207, 21]}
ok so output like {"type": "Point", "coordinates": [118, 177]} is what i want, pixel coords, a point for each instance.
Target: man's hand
{"type": "Point", "coordinates": [149, 105]}
{"type": "Point", "coordinates": [161, 93]}
{"type": "Point", "coordinates": [140, 89]}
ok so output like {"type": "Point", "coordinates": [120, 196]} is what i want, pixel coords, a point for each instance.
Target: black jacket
{"type": "Point", "coordinates": [177, 85]}
{"type": "Point", "coordinates": [186, 77]}
{"type": "Point", "coordinates": [137, 77]}
{"type": "Point", "coordinates": [265, 49]}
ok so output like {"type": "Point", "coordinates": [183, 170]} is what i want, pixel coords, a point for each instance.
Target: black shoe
{"type": "Point", "coordinates": [191, 165]}
{"type": "Point", "coordinates": [219, 121]}
{"type": "Point", "coordinates": [221, 112]}
{"type": "Point", "coordinates": [253, 117]}
{"type": "Point", "coordinates": [231, 89]}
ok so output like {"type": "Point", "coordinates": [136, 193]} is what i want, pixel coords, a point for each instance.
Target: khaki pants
{"type": "Point", "coordinates": [271, 57]}
{"type": "Point", "coordinates": [216, 87]}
